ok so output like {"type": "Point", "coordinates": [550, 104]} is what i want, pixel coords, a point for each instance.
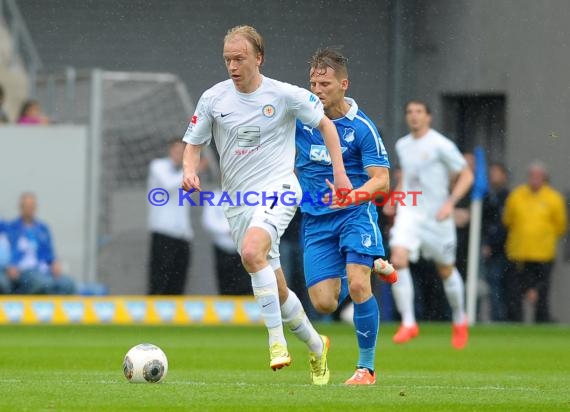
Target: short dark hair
{"type": "Point", "coordinates": [417, 101]}
{"type": "Point", "coordinates": [329, 57]}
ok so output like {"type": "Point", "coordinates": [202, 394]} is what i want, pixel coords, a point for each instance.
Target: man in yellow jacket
{"type": "Point", "coordinates": [535, 218]}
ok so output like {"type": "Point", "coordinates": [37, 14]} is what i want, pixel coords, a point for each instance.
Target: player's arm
{"type": "Point", "coordinates": [198, 134]}
{"type": "Point", "coordinates": [389, 208]}
{"type": "Point", "coordinates": [332, 142]}
{"type": "Point", "coordinates": [460, 189]}
{"type": "Point", "coordinates": [190, 167]}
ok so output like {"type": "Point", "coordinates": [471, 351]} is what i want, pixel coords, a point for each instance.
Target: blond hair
{"type": "Point", "coordinates": [251, 35]}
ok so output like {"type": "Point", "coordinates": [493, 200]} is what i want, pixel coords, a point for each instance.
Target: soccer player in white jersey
{"type": "Point", "coordinates": [252, 120]}
{"type": "Point", "coordinates": [429, 163]}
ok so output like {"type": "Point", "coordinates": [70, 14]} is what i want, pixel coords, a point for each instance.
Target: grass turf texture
{"type": "Point", "coordinates": [79, 368]}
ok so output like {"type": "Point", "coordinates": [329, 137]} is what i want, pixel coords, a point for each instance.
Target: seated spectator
{"type": "Point", "coordinates": [33, 268]}
{"type": "Point", "coordinates": [4, 258]}
{"type": "Point", "coordinates": [32, 114]}
{"type": "Point", "coordinates": [3, 114]}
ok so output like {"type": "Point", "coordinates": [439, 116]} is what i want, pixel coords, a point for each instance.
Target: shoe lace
{"type": "Point", "coordinates": [359, 374]}
{"type": "Point", "coordinates": [315, 362]}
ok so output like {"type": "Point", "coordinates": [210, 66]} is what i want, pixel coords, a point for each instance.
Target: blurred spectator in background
{"type": "Point", "coordinates": [232, 277]}
{"type": "Point", "coordinates": [494, 236]}
{"type": "Point", "coordinates": [3, 114]}
{"type": "Point", "coordinates": [33, 267]}
{"type": "Point", "coordinates": [462, 217]}
{"type": "Point", "coordinates": [32, 114]}
{"type": "Point", "coordinates": [4, 258]}
{"type": "Point", "coordinates": [535, 217]}
{"type": "Point", "coordinates": [169, 224]}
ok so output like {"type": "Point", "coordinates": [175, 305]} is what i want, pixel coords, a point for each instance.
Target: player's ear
{"type": "Point", "coordinates": [344, 84]}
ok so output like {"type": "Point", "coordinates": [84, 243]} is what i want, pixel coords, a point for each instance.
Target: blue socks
{"type": "Point", "coordinates": [366, 323]}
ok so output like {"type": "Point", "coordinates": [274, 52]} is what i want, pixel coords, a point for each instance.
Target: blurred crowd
{"type": "Point", "coordinates": [31, 113]}
{"type": "Point", "coordinates": [520, 230]}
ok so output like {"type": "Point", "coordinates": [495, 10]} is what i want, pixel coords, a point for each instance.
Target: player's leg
{"type": "Point", "coordinates": [404, 246]}
{"type": "Point", "coordinates": [255, 247]}
{"type": "Point", "coordinates": [403, 292]}
{"type": "Point", "coordinates": [454, 288]}
{"type": "Point", "coordinates": [366, 317]}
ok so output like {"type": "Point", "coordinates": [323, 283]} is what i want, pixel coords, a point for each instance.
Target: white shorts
{"type": "Point", "coordinates": [273, 217]}
{"type": "Point", "coordinates": [433, 239]}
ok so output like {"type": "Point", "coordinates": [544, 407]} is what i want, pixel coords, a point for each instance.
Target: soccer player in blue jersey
{"type": "Point", "coordinates": [342, 242]}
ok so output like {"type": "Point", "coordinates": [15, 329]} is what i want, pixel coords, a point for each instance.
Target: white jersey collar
{"type": "Point", "coordinates": [351, 114]}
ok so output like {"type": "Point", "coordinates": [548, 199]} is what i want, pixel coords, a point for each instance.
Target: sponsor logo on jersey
{"type": "Point", "coordinates": [309, 129]}
{"type": "Point", "coordinates": [268, 110]}
{"type": "Point", "coordinates": [348, 135]}
{"type": "Point", "coordinates": [194, 119]}
{"type": "Point", "coordinates": [366, 239]}
{"type": "Point", "coordinates": [320, 154]}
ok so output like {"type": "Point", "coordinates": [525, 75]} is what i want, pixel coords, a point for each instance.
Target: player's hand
{"type": "Point", "coordinates": [342, 182]}
{"type": "Point", "coordinates": [445, 211]}
{"type": "Point", "coordinates": [389, 208]}
{"type": "Point", "coordinates": [191, 181]}
{"type": "Point", "coordinates": [340, 197]}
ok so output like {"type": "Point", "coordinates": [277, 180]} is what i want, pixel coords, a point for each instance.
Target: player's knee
{"type": "Point", "coordinates": [399, 260]}
{"type": "Point", "coordinates": [325, 305]}
{"type": "Point", "coordinates": [252, 258]}
{"type": "Point", "coordinates": [359, 289]}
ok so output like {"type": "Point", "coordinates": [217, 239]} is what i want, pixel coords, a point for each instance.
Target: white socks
{"type": "Point", "coordinates": [297, 321]}
{"type": "Point", "coordinates": [266, 295]}
{"type": "Point", "coordinates": [403, 291]}
{"type": "Point", "coordinates": [454, 291]}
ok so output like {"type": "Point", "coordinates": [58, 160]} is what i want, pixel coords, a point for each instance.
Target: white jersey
{"type": "Point", "coordinates": [254, 132]}
{"type": "Point", "coordinates": [426, 165]}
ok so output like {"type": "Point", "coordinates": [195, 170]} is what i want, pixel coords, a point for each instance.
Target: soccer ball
{"type": "Point", "coordinates": [145, 363]}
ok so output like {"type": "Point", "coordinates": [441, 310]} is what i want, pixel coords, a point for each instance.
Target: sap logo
{"type": "Point", "coordinates": [320, 154]}
{"type": "Point", "coordinates": [165, 310]}
{"type": "Point", "coordinates": [195, 310]}
{"type": "Point", "coordinates": [43, 311]}
{"type": "Point", "coordinates": [104, 311]}
{"type": "Point", "coordinates": [14, 311]}
{"type": "Point", "coordinates": [348, 135]}
{"type": "Point", "coordinates": [137, 310]}
{"type": "Point", "coordinates": [73, 310]}
{"type": "Point", "coordinates": [224, 310]}
{"type": "Point", "coordinates": [252, 311]}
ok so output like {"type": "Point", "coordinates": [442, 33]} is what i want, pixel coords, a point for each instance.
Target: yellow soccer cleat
{"type": "Point", "coordinates": [279, 356]}
{"type": "Point", "coordinates": [320, 373]}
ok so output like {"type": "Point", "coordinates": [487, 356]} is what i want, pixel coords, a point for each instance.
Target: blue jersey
{"type": "Point", "coordinates": [361, 147]}
{"type": "Point", "coordinates": [31, 246]}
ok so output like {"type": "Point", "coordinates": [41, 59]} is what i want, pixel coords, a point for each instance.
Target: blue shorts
{"type": "Point", "coordinates": [335, 239]}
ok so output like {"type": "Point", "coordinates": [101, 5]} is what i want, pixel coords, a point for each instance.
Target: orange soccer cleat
{"type": "Point", "coordinates": [406, 333]}
{"type": "Point", "coordinates": [385, 271]}
{"type": "Point", "coordinates": [362, 376]}
{"type": "Point", "coordinates": [460, 335]}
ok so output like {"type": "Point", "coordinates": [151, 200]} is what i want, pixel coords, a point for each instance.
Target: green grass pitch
{"type": "Point", "coordinates": [79, 368]}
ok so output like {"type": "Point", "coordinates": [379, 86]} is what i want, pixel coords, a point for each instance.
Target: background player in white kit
{"type": "Point", "coordinates": [428, 160]}
{"type": "Point", "coordinates": [252, 119]}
